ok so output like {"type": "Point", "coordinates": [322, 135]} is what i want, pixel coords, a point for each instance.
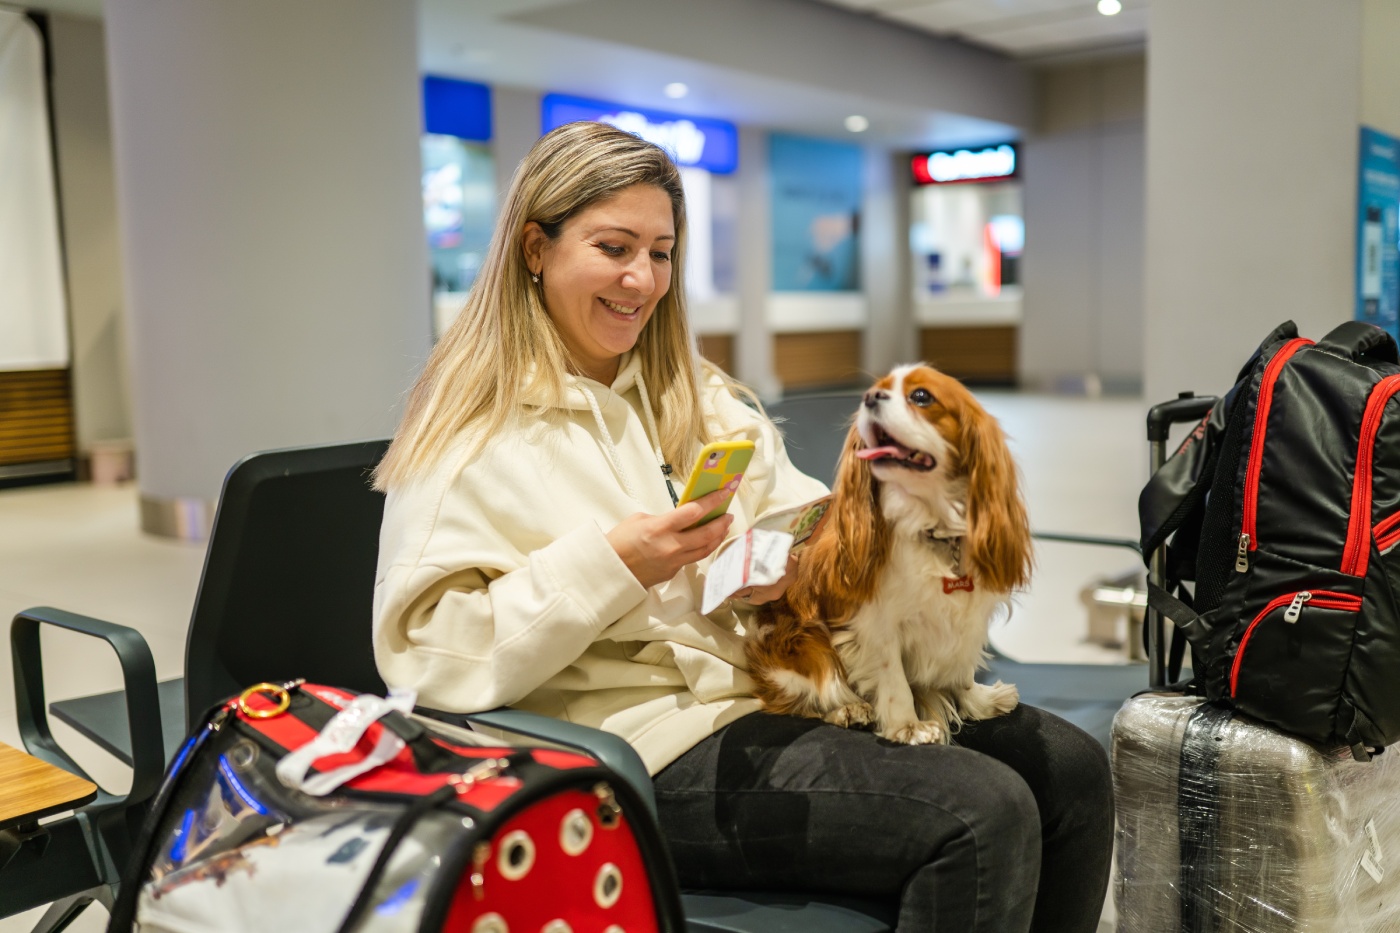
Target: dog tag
{"type": "Point", "coordinates": [956, 584]}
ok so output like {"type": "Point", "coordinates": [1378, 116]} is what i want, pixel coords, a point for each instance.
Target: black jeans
{"type": "Point", "coordinates": [1010, 829]}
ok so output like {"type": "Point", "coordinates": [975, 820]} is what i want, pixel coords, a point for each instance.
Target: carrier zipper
{"type": "Point", "coordinates": [1322, 599]}
{"type": "Point", "coordinates": [1249, 540]}
{"type": "Point", "coordinates": [1357, 555]}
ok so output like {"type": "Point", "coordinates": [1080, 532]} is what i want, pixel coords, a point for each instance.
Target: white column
{"type": "Point", "coordinates": [277, 279]}
{"type": "Point", "coordinates": [754, 363]}
{"type": "Point", "coordinates": [515, 126]}
{"type": "Point", "coordinates": [890, 334]}
{"type": "Point", "coordinates": [1252, 116]}
{"type": "Point", "coordinates": [97, 321]}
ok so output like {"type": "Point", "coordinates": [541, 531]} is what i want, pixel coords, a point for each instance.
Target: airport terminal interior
{"type": "Point", "coordinates": [240, 225]}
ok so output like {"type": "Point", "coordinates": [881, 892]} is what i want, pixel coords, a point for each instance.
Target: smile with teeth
{"type": "Point", "coordinates": [620, 309]}
{"type": "Point", "coordinates": [888, 450]}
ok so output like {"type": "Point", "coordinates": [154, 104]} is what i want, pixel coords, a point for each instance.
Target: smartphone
{"type": "Point", "coordinates": [721, 465]}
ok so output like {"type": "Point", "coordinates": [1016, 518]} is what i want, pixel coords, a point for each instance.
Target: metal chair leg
{"type": "Point", "coordinates": [61, 913]}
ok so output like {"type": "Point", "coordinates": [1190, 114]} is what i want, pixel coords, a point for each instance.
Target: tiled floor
{"type": "Point", "coordinates": [78, 547]}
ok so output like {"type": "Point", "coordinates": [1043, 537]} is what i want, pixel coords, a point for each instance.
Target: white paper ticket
{"type": "Point", "coordinates": [758, 558]}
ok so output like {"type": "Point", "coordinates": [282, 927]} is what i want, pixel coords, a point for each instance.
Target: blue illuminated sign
{"type": "Point", "coordinates": [1377, 258]}
{"type": "Point", "coordinates": [456, 108]}
{"type": "Point", "coordinates": [691, 141]}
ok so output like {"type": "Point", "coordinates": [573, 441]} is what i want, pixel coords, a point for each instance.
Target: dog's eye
{"type": "Point", "coordinates": [921, 397]}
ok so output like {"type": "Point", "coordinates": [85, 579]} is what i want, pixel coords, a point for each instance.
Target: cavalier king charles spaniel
{"type": "Point", "coordinates": [885, 621]}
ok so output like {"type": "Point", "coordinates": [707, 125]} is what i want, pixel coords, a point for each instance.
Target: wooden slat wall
{"type": "Point", "coordinates": [821, 358]}
{"type": "Point", "coordinates": [719, 349]}
{"type": "Point", "coordinates": [974, 354]}
{"type": "Point", "coordinates": [36, 416]}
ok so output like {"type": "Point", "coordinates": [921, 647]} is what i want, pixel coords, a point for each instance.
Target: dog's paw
{"type": "Point", "coordinates": [1005, 697]}
{"type": "Point", "coordinates": [848, 715]}
{"type": "Point", "coordinates": [925, 732]}
{"type": "Point", "coordinates": [985, 701]}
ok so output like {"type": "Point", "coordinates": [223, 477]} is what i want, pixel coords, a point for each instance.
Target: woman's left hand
{"type": "Point", "coordinates": [758, 595]}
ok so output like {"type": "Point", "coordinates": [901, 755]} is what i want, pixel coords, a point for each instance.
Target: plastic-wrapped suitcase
{"type": "Point", "coordinates": [1228, 825]}
{"type": "Point", "coordinates": [1225, 825]}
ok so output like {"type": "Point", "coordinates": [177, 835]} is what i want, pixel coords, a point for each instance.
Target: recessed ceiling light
{"type": "Point", "coordinates": [675, 90]}
{"type": "Point", "coordinates": [857, 124]}
{"type": "Point", "coordinates": [1110, 7]}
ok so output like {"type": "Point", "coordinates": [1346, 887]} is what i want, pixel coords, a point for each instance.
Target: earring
{"type": "Point", "coordinates": [535, 277]}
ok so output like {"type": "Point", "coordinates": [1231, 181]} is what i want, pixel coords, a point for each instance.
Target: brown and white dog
{"type": "Point", "coordinates": [885, 622]}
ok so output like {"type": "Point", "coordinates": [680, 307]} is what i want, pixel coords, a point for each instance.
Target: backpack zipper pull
{"type": "Point", "coordinates": [1295, 608]}
{"type": "Point", "coordinates": [1242, 555]}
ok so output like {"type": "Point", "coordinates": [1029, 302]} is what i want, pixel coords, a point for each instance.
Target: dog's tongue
{"type": "Point", "coordinates": [880, 453]}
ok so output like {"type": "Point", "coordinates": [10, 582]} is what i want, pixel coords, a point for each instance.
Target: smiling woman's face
{"type": "Point", "coordinates": [604, 275]}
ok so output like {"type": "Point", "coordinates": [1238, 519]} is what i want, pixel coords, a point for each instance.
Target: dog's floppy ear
{"type": "Point", "coordinates": [998, 542]}
{"type": "Point", "coordinates": [843, 562]}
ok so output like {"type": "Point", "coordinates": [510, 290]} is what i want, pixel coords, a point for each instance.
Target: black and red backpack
{"type": "Point", "coordinates": [1280, 514]}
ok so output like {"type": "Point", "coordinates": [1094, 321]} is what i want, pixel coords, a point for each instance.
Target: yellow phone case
{"type": "Point", "coordinates": [721, 465]}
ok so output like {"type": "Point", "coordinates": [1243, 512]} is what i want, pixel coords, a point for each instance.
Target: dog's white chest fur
{"type": "Point", "coordinates": [937, 637]}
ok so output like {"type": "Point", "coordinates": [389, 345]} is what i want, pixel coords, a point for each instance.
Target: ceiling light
{"type": "Point", "coordinates": [1110, 7]}
{"type": "Point", "coordinates": [857, 124]}
{"type": "Point", "coordinates": [675, 90]}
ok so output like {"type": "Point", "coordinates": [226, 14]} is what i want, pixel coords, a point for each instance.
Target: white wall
{"type": "Point", "coordinates": [1380, 65]}
{"type": "Point", "coordinates": [1084, 211]}
{"type": "Point", "coordinates": [1253, 108]}
{"type": "Point", "coordinates": [272, 226]}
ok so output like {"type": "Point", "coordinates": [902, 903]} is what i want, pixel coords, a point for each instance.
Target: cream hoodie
{"type": "Point", "coordinates": [497, 587]}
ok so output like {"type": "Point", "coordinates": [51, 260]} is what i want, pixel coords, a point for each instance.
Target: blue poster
{"type": "Point", "coordinates": [1377, 261]}
{"type": "Point", "coordinates": [456, 108]}
{"type": "Point", "coordinates": [816, 214]}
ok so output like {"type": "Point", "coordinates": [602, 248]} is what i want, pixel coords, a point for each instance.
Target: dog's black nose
{"type": "Point", "coordinates": [875, 397]}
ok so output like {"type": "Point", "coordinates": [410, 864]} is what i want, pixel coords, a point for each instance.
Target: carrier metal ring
{"type": "Point", "coordinates": [607, 886]}
{"type": "Point", "coordinates": [276, 692]}
{"type": "Point", "coordinates": [490, 923]}
{"type": "Point", "coordinates": [516, 855]}
{"type": "Point", "coordinates": [575, 832]}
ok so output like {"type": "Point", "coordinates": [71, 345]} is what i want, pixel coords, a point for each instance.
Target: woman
{"type": "Point", "coordinates": [532, 556]}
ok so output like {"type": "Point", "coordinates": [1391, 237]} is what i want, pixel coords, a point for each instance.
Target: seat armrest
{"type": "Point", "coordinates": [611, 750]}
{"type": "Point", "coordinates": [1096, 540]}
{"type": "Point", "coordinates": [138, 677]}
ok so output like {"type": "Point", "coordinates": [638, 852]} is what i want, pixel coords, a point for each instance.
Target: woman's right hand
{"type": "Point", "coordinates": [656, 547]}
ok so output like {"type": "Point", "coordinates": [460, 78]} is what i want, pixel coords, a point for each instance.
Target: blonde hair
{"type": "Point", "coordinates": [504, 347]}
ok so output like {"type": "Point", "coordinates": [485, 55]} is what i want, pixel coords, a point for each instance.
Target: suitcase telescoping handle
{"type": "Point", "coordinates": [1160, 418]}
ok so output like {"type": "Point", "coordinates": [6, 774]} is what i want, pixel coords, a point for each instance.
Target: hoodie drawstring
{"type": "Point", "coordinates": [656, 438]}
{"type": "Point", "coordinates": [614, 456]}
